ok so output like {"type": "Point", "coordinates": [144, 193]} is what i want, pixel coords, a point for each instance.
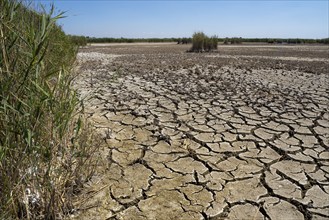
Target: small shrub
{"type": "Point", "coordinates": [214, 42]}
{"type": "Point", "coordinates": [198, 42]}
{"type": "Point", "coordinates": [201, 42]}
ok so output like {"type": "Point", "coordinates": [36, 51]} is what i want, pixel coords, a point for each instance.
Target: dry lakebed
{"type": "Point", "coordinates": [241, 133]}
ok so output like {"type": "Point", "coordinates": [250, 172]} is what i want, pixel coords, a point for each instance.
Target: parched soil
{"type": "Point", "coordinates": [242, 133]}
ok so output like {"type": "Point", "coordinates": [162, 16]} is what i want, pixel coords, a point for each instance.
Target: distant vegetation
{"type": "Point", "coordinates": [130, 40]}
{"type": "Point", "coordinates": [78, 40]}
{"type": "Point", "coordinates": [184, 40]}
{"type": "Point", "coordinates": [201, 42]}
{"type": "Point", "coordinates": [286, 40]}
{"type": "Point", "coordinates": [234, 40]}
{"type": "Point", "coordinates": [45, 150]}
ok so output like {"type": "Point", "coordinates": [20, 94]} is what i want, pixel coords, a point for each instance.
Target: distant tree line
{"type": "Point", "coordinates": [233, 40]}
{"type": "Point", "coordinates": [82, 40]}
{"type": "Point", "coordinates": [130, 40]}
{"type": "Point", "coordinates": [236, 40]}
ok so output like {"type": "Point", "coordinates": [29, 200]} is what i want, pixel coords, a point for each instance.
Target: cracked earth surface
{"type": "Point", "coordinates": [229, 135]}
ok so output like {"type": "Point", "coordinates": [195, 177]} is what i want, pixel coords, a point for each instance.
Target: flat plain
{"type": "Point", "coordinates": [241, 133]}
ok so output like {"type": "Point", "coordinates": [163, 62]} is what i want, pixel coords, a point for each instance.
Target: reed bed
{"type": "Point", "coordinates": [46, 149]}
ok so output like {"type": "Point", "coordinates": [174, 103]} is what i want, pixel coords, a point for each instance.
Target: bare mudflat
{"type": "Point", "coordinates": [242, 133]}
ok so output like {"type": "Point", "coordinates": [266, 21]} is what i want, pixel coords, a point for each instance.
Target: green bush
{"type": "Point", "coordinates": [44, 148]}
{"type": "Point", "coordinates": [214, 42]}
{"type": "Point", "coordinates": [201, 42]}
{"type": "Point", "coordinates": [236, 40]}
{"type": "Point", "coordinates": [78, 40]}
{"type": "Point", "coordinates": [198, 42]}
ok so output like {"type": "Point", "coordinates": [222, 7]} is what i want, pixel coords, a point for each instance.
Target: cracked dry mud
{"type": "Point", "coordinates": [199, 136]}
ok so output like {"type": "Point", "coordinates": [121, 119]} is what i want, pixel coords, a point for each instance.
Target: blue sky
{"type": "Point", "coordinates": [145, 19]}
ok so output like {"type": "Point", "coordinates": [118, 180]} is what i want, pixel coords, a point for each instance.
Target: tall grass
{"type": "Point", "coordinates": [45, 150]}
{"type": "Point", "coordinates": [201, 42]}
